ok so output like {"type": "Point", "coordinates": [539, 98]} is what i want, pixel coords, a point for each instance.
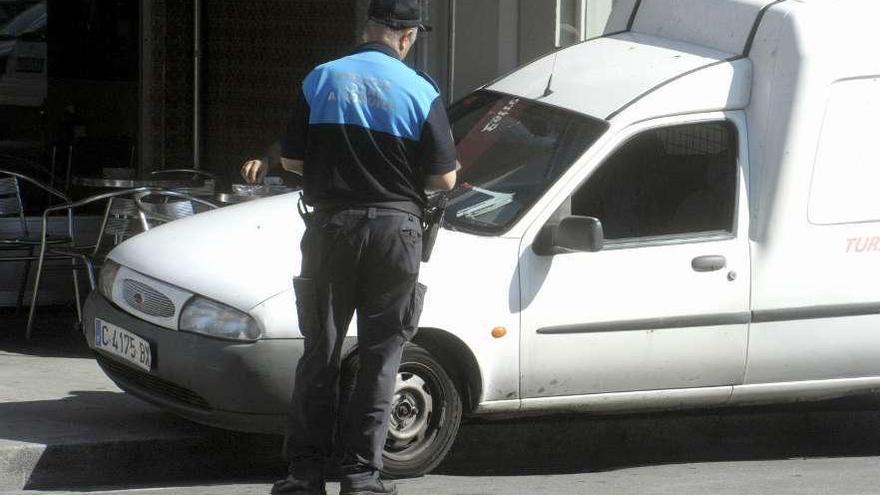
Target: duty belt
{"type": "Point", "coordinates": [431, 218]}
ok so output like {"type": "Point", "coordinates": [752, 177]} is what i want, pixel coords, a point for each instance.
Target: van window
{"type": "Point", "coordinates": [511, 151]}
{"type": "Point", "coordinates": [671, 181]}
{"type": "Point", "coordinates": [847, 169]}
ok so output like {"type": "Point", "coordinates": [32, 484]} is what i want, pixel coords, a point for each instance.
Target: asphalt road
{"type": "Point", "coordinates": [825, 448]}
{"type": "Point", "coordinates": [838, 476]}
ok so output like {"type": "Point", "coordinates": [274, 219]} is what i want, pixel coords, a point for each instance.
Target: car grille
{"type": "Point", "coordinates": [152, 384]}
{"type": "Point", "coordinates": [146, 299]}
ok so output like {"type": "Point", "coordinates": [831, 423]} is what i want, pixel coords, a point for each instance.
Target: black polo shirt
{"type": "Point", "coordinates": [369, 129]}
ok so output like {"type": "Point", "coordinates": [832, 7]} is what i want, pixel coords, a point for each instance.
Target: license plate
{"type": "Point", "coordinates": [124, 344]}
{"type": "Point", "coordinates": [29, 64]}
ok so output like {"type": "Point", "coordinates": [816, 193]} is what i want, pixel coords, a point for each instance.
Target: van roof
{"type": "Point", "coordinates": [706, 55]}
{"type": "Point", "coordinates": [620, 68]}
{"type": "Point", "coordinates": [725, 25]}
{"type": "Point", "coordinates": [652, 42]}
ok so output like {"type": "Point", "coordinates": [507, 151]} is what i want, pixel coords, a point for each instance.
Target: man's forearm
{"type": "Point", "coordinates": [293, 166]}
{"type": "Point", "coordinates": [445, 182]}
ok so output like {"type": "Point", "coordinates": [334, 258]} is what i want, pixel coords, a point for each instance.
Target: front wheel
{"type": "Point", "coordinates": [425, 415]}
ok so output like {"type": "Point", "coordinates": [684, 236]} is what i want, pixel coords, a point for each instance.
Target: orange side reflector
{"type": "Point", "coordinates": [499, 332]}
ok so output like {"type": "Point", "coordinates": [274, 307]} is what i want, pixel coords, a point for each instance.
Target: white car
{"type": "Point", "coordinates": [23, 56]}
{"type": "Point", "coordinates": [679, 214]}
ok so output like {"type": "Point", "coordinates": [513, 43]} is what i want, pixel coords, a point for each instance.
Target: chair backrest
{"type": "Point", "coordinates": [155, 214]}
{"type": "Point", "coordinates": [121, 221]}
{"type": "Point", "coordinates": [90, 155]}
{"type": "Point", "coordinates": [162, 206]}
{"type": "Point", "coordinates": [10, 202]}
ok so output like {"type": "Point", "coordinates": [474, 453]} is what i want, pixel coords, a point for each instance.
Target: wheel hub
{"type": "Point", "coordinates": [411, 408]}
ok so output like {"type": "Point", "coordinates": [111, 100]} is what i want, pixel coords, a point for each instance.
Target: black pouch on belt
{"type": "Point", "coordinates": [432, 221]}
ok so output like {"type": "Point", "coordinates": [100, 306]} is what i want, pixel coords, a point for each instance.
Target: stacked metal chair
{"type": "Point", "coordinates": [17, 244]}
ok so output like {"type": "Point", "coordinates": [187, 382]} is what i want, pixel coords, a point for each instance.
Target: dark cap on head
{"type": "Point", "coordinates": [398, 14]}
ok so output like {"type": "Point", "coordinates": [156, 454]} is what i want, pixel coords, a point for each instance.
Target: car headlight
{"type": "Point", "coordinates": [213, 319]}
{"type": "Point", "coordinates": [107, 277]}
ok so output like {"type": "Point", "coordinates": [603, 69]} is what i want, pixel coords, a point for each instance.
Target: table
{"type": "Point", "coordinates": [233, 198]}
{"type": "Point", "coordinates": [135, 183]}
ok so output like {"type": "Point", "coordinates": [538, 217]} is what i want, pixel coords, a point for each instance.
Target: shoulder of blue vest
{"type": "Point", "coordinates": [426, 77]}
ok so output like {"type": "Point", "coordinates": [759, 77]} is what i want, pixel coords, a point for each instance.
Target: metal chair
{"type": "Point", "coordinates": [156, 206]}
{"type": "Point", "coordinates": [121, 220]}
{"type": "Point", "coordinates": [92, 154]}
{"type": "Point", "coordinates": [11, 245]}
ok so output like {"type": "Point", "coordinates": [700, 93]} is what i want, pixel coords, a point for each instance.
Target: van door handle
{"type": "Point", "coordinates": [709, 263]}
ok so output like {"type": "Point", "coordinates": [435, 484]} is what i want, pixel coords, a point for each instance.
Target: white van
{"type": "Point", "coordinates": [682, 213]}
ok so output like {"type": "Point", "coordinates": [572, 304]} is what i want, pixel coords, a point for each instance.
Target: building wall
{"type": "Point", "coordinates": [255, 53]}
{"type": "Point", "coordinates": [537, 28]}
{"type": "Point", "coordinates": [253, 56]}
{"type": "Point", "coordinates": [166, 109]}
{"type": "Point", "coordinates": [477, 45]}
{"type": "Point", "coordinates": [494, 37]}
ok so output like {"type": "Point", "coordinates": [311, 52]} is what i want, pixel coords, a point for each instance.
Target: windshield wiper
{"type": "Point", "coordinates": [496, 201]}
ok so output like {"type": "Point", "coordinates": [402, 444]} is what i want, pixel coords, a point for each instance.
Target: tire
{"type": "Point", "coordinates": [425, 413]}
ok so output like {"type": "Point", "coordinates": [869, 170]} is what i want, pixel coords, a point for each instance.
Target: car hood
{"type": "Point", "coordinates": [240, 255]}
{"type": "Point", "coordinates": [244, 255]}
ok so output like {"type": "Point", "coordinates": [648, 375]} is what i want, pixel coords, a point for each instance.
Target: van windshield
{"type": "Point", "coordinates": [511, 151]}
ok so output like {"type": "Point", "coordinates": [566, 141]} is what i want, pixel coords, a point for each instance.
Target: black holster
{"type": "Point", "coordinates": [303, 210]}
{"type": "Point", "coordinates": [431, 223]}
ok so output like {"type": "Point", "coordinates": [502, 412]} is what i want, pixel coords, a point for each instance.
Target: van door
{"type": "Point", "coordinates": [665, 303]}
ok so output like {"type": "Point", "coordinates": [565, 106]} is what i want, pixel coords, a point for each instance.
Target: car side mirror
{"type": "Point", "coordinates": [572, 234]}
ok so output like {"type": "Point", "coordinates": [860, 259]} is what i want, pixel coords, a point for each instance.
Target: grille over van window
{"type": "Point", "coordinates": [670, 181]}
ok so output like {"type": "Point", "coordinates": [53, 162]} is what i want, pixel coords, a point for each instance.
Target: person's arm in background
{"type": "Point", "coordinates": [437, 150]}
{"type": "Point", "coordinates": [290, 151]}
{"type": "Point", "coordinates": [255, 170]}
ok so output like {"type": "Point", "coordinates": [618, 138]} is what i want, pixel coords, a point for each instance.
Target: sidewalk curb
{"type": "Point", "coordinates": [220, 454]}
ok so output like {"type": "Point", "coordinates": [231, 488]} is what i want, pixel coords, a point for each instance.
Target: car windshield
{"type": "Point", "coordinates": [511, 151]}
{"type": "Point", "coordinates": [24, 18]}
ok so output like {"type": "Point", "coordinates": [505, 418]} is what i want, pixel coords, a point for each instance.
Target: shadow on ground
{"type": "Point", "coordinates": [547, 446]}
{"type": "Point", "coordinates": [105, 438]}
{"type": "Point", "coordinates": [56, 333]}
{"type": "Point", "coordinates": [577, 444]}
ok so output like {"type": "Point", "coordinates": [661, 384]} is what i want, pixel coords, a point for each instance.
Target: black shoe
{"type": "Point", "coordinates": [293, 486]}
{"type": "Point", "coordinates": [368, 487]}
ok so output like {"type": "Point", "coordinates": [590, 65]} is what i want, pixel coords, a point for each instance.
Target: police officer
{"type": "Point", "coordinates": [372, 137]}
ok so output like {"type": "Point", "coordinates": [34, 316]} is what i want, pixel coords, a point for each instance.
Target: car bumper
{"type": "Point", "coordinates": [232, 385]}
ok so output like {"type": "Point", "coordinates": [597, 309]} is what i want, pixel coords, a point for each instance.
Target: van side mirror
{"type": "Point", "coordinates": [572, 234]}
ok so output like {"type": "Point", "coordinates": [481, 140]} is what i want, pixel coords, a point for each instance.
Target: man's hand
{"type": "Point", "coordinates": [253, 171]}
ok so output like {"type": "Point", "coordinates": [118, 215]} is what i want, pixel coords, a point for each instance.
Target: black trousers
{"type": "Point", "coordinates": [363, 260]}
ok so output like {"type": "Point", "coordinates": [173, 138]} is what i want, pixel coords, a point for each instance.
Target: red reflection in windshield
{"type": "Point", "coordinates": [483, 136]}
